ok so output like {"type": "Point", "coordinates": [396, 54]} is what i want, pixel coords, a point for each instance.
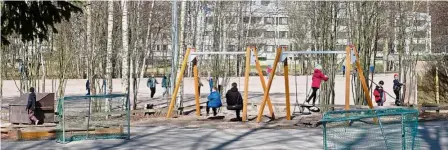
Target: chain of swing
{"type": "Point", "coordinates": [307, 72]}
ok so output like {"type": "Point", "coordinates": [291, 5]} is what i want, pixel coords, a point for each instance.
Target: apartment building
{"type": "Point", "coordinates": [269, 24]}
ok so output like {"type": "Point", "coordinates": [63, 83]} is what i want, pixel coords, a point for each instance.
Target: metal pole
{"type": "Point", "coordinates": [174, 48]}
{"type": "Point", "coordinates": [63, 119]}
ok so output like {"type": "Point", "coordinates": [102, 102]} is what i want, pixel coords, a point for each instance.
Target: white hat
{"type": "Point", "coordinates": [318, 67]}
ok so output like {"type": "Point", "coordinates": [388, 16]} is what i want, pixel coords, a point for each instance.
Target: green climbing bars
{"type": "Point", "coordinates": [93, 117]}
{"type": "Point", "coordinates": [394, 128]}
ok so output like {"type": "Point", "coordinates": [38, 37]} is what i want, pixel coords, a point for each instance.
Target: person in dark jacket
{"type": "Point", "coordinates": [234, 98]}
{"type": "Point", "coordinates": [380, 95]}
{"type": "Point", "coordinates": [397, 89]}
{"type": "Point", "coordinates": [152, 85]}
{"type": "Point", "coordinates": [318, 76]}
{"type": "Point", "coordinates": [31, 106]}
{"type": "Point", "coordinates": [165, 85]}
{"type": "Point", "coordinates": [88, 87]}
{"type": "Point", "coordinates": [214, 101]}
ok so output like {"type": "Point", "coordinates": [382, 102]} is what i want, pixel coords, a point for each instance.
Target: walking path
{"type": "Point", "coordinates": [432, 135]}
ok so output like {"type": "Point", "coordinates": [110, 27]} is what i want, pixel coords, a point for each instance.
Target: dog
{"type": "Point", "coordinates": [149, 106]}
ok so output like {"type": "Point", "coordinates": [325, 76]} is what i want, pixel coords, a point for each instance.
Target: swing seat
{"type": "Point", "coordinates": [311, 108]}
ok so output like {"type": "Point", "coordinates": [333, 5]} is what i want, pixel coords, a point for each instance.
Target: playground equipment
{"type": "Point", "coordinates": [395, 128]}
{"type": "Point", "coordinates": [250, 57]}
{"type": "Point", "coordinates": [93, 117]}
{"type": "Point", "coordinates": [349, 51]}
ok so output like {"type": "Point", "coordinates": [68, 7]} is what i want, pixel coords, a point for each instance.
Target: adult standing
{"type": "Point", "coordinates": [152, 85]}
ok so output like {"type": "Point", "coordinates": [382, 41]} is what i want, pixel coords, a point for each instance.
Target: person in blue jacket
{"type": "Point", "coordinates": [210, 83]}
{"type": "Point", "coordinates": [152, 85]}
{"type": "Point", "coordinates": [214, 101]}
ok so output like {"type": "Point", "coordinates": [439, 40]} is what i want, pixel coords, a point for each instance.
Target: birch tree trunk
{"type": "Point", "coordinates": [110, 25]}
{"type": "Point", "coordinates": [181, 50]}
{"type": "Point", "coordinates": [125, 51]}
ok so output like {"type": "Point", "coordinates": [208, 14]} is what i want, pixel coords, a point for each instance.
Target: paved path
{"type": "Point", "coordinates": [433, 136]}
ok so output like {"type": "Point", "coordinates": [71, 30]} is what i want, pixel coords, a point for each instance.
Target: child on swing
{"type": "Point", "coordinates": [318, 76]}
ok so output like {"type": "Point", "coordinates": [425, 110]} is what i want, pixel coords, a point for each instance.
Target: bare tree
{"type": "Point", "coordinates": [110, 24]}
{"type": "Point", "coordinates": [125, 52]}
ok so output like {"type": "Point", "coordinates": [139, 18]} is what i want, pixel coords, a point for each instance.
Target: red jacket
{"type": "Point", "coordinates": [318, 76]}
{"type": "Point", "coordinates": [377, 93]}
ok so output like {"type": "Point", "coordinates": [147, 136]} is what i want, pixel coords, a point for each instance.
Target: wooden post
{"type": "Point", "coordinates": [363, 79]}
{"type": "Point", "coordinates": [266, 93]}
{"type": "Point", "coordinates": [348, 61]}
{"type": "Point", "coordinates": [263, 83]}
{"type": "Point", "coordinates": [180, 76]}
{"type": "Point", "coordinates": [286, 74]}
{"type": "Point", "coordinates": [196, 85]}
{"type": "Point", "coordinates": [246, 84]}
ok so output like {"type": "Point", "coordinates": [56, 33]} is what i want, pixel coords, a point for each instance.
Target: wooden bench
{"type": "Point", "coordinates": [436, 108]}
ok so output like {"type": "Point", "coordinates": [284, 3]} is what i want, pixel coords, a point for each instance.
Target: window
{"type": "Point", "coordinates": [269, 48]}
{"type": "Point", "coordinates": [419, 34]}
{"type": "Point", "coordinates": [283, 34]}
{"type": "Point", "coordinates": [208, 48]}
{"type": "Point", "coordinates": [208, 33]}
{"type": "Point", "coordinates": [164, 47]}
{"type": "Point", "coordinates": [255, 33]}
{"type": "Point", "coordinates": [340, 47]}
{"type": "Point", "coordinates": [157, 47]}
{"type": "Point", "coordinates": [246, 20]}
{"type": "Point", "coordinates": [209, 20]}
{"type": "Point", "coordinates": [342, 22]}
{"type": "Point", "coordinates": [420, 22]}
{"type": "Point", "coordinates": [255, 20]}
{"type": "Point", "coordinates": [419, 47]}
{"type": "Point", "coordinates": [265, 3]}
{"type": "Point", "coordinates": [231, 20]}
{"type": "Point", "coordinates": [269, 34]}
{"type": "Point", "coordinates": [232, 34]}
{"type": "Point", "coordinates": [231, 48]}
{"type": "Point", "coordinates": [283, 20]}
{"type": "Point", "coordinates": [268, 20]}
{"type": "Point", "coordinates": [342, 35]}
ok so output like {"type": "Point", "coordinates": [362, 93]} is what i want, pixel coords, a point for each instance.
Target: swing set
{"type": "Point", "coordinates": [251, 57]}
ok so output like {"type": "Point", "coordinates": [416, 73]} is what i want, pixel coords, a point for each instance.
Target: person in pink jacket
{"type": "Point", "coordinates": [318, 76]}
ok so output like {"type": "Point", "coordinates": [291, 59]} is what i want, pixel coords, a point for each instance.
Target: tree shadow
{"type": "Point", "coordinates": [221, 146]}
{"type": "Point", "coordinates": [426, 135]}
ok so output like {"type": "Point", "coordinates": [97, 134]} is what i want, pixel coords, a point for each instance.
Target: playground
{"type": "Point", "coordinates": [224, 75]}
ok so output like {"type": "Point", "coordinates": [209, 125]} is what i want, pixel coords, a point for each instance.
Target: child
{"type": "Point", "coordinates": [214, 101]}
{"type": "Point", "coordinates": [379, 94]}
{"type": "Point", "coordinates": [31, 106]}
{"type": "Point", "coordinates": [397, 88]}
{"type": "Point", "coordinates": [268, 71]}
{"type": "Point", "coordinates": [318, 76]}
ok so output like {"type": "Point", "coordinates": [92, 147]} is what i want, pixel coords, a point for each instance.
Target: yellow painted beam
{"type": "Point", "coordinates": [362, 78]}
{"type": "Point", "coordinates": [271, 78]}
{"type": "Point", "coordinates": [263, 83]}
{"type": "Point", "coordinates": [246, 84]}
{"type": "Point", "coordinates": [180, 76]}
{"type": "Point", "coordinates": [348, 67]}
{"type": "Point", "coordinates": [196, 90]}
{"type": "Point", "coordinates": [286, 75]}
